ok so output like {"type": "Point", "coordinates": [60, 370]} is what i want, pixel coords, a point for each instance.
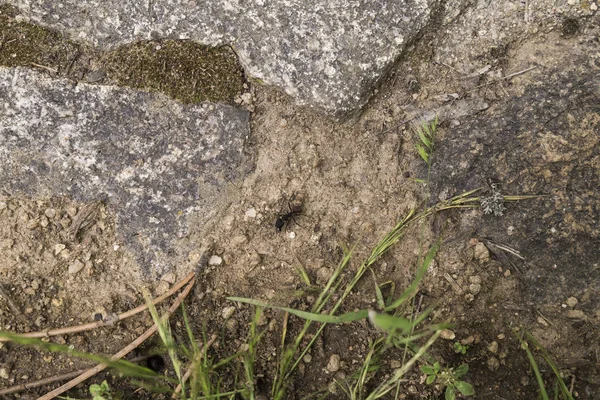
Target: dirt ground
{"type": "Point", "coordinates": [355, 179]}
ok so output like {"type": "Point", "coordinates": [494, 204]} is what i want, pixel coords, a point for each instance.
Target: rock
{"type": "Point", "coordinates": [307, 358]}
{"type": "Point", "coordinates": [2, 205]}
{"type": "Point", "coordinates": [327, 54]}
{"type": "Point", "coordinates": [169, 278]}
{"type": "Point", "coordinates": [474, 288]}
{"type": "Point", "coordinates": [334, 363]}
{"type": "Point", "coordinates": [447, 334]}
{"type": "Point", "coordinates": [58, 248]}
{"type": "Point", "coordinates": [75, 267]}
{"type": "Point", "coordinates": [481, 252]}
{"type": "Point", "coordinates": [572, 301]}
{"type": "Point", "coordinates": [161, 288]}
{"type": "Point", "coordinates": [493, 364]}
{"type": "Point", "coordinates": [493, 347]}
{"type": "Point", "coordinates": [50, 213]}
{"type": "Point", "coordinates": [475, 279]}
{"type": "Point", "coordinates": [55, 141]}
{"type": "Point", "coordinates": [563, 157]}
{"type": "Point", "coordinates": [251, 213]}
{"type": "Point", "coordinates": [238, 240]}
{"type": "Point", "coordinates": [227, 312]}
{"type": "Point", "coordinates": [4, 373]}
{"type": "Point", "coordinates": [576, 314]}
{"type": "Point", "coordinates": [215, 260]}
{"type": "Point", "coordinates": [324, 274]}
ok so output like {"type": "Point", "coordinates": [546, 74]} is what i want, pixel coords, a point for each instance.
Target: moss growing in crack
{"type": "Point", "coordinates": [25, 44]}
{"type": "Point", "coordinates": [184, 70]}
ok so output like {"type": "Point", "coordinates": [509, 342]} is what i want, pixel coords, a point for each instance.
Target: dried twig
{"type": "Point", "coordinates": [50, 69]}
{"type": "Point", "coordinates": [502, 79]}
{"type": "Point", "coordinates": [94, 325]}
{"type": "Point", "coordinates": [93, 371]}
{"type": "Point", "coordinates": [189, 371]}
{"type": "Point", "coordinates": [57, 378]}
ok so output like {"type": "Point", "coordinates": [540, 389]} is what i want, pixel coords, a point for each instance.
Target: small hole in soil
{"type": "Point", "coordinates": [570, 26]}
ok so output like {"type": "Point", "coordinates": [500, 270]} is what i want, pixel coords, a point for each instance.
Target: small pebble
{"type": "Point", "coordinates": [238, 240]}
{"type": "Point", "coordinates": [169, 278]}
{"type": "Point", "coordinates": [75, 267]}
{"type": "Point", "coordinates": [50, 213]}
{"type": "Point", "coordinates": [161, 288]}
{"type": "Point", "coordinates": [593, 7]}
{"type": "Point", "coordinates": [215, 260]}
{"type": "Point", "coordinates": [475, 279]}
{"type": "Point", "coordinates": [468, 340]}
{"type": "Point", "coordinates": [323, 274]}
{"type": "Point", "coordinates": [307, 358]}
{"type": "Point", "coordinates": [474, 288]}
{"type": "Point", "coordinates": [481, 252]}
{"type": "Point", "coordinates": [572, 301]}
{"type": "Point", "coordinates": [292, 235]}
{"type": "Point", "coordinates": [2, 205]}
{"type": "Point", "coordinates": [447, 334]}
{"type": "Point", "coordinates": [501, 336]}
{"type": "Point", "coordinates": [542, 321]}
{"type": "Point", "coordinates": [493, 347]}
{"type": "Point", "coordinates": [493, 364]}
{"type": "Point", "coordinates": [251, 213]}
{"type": "Point", "coordinates": [507, 273]}
{"type": "Point", "coordinates": [575, 314]}
{"type": "Point", "coordinates": [58, 248]}
{"type": "Point", "coordinates": [72, 211]}
{"type": "Point", "coordinates": [4, 374]}
{"type": "Point", "coordinates": [334, 363]}
{"type": "Point", "coordinates": [227, 312]}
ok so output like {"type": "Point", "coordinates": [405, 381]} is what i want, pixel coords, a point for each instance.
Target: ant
{"type": "Point", "coordinates": [295, 206]}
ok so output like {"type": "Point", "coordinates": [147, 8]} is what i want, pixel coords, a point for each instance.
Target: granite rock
{"type": "Point", "coordinates": [328, 54]}
{"type": "Point", "coordinates": [152, 160]}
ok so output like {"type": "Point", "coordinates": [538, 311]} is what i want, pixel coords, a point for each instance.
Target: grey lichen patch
{"type": "Point", "coordinates": [153, 161]}
{"type": "Point", "coordinates": [184, 70]}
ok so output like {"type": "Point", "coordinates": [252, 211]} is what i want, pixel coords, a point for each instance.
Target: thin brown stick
{"type": "Point", "coordinates": [502, 79]}
{"type": "Point", "coordinates": [122, 353]}
{"type": "Point", "coordinates": [189, 371]}
{"type": "Point", "coordinates": [98, 324]}
{"type": "Point", "coordinates": [57, 378]}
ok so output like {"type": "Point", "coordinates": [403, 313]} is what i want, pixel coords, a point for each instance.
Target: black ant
{"type": "Point", "coordinates": [295, 207]}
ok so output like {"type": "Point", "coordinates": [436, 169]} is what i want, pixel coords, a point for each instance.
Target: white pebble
{"type": "Point", "coordinates": [251, 213]}
{"type": "Point", "coordinates": [215, 260]}
{"type": "Point", "coordinates": [58, 248]}
{"type": "Point", "coordinates": [75, 267]}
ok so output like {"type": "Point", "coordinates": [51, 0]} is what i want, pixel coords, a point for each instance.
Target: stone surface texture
{"type": "Point", "coordinates": [327, 54]}
{"type": "Point", "coordinates": [151, 159]}
{"type": "Point", "coordinates": [545, 142]}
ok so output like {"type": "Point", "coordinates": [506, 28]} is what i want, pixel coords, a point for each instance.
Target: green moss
{"type": "Point", "coordinates": [183, 70]}
{"type": "Point", "coordinates": [24, 44]}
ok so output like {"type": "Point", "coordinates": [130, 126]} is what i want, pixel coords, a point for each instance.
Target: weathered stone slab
{"type": "Point", "coordinates": [545, 142]}
{"type": "Point", "coordinates": [327, 54]}
{"type": "Point", "coordinates": [151, 159]}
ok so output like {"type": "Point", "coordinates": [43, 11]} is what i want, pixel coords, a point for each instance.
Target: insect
{"type": "Point", "coordinates": [295, 209]}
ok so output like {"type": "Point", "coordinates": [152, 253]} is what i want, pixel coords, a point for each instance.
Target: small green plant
{"type": "Point", "coordinates": [101, 391]}
{"type": "Point", "coordinates": [449, 378]}
{"type": "Point", "coordinates": [426, 138]}
{"type": "Point", "coordinates": [460, 348]}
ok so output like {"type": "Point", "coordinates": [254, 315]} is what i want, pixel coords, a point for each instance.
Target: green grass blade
{"type": "Point", "coordinates": [324, 318]}
{"type": "Point", "coordinates": [419, 276]}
